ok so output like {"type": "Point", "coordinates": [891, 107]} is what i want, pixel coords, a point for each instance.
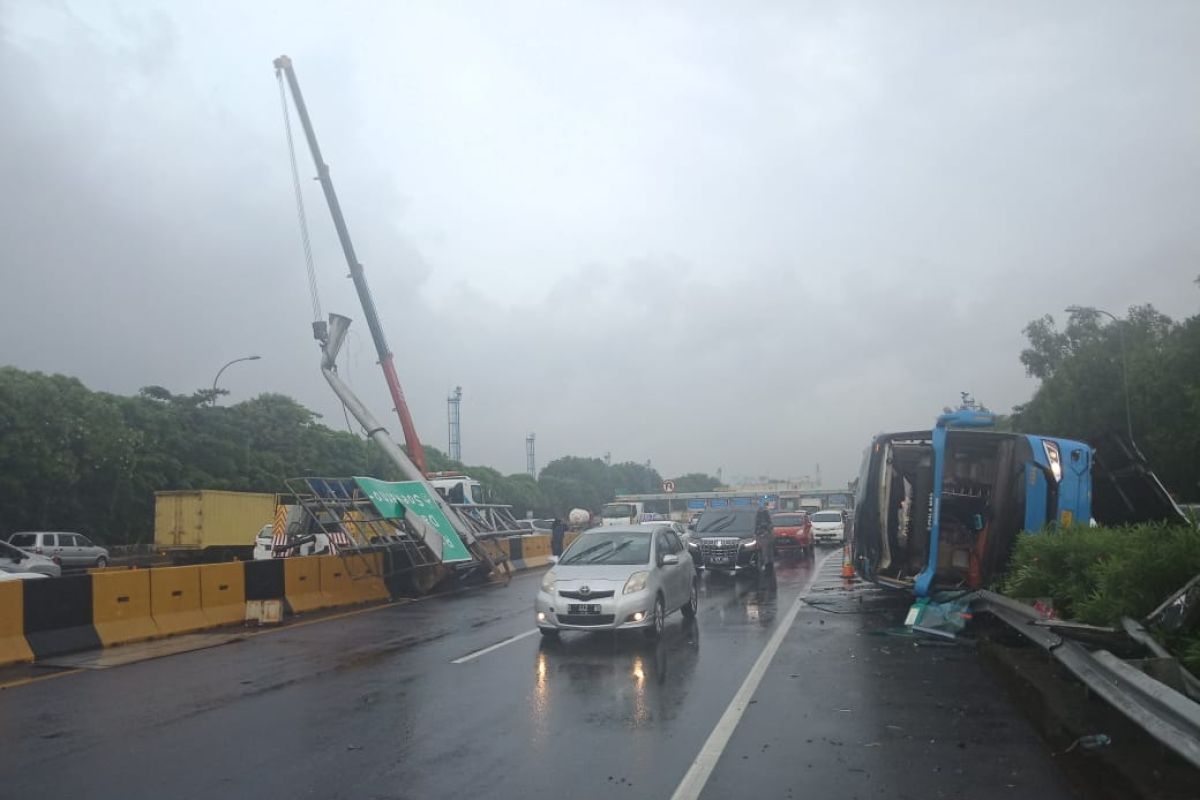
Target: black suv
{"type": "Point", "coordinates": [734, 538]}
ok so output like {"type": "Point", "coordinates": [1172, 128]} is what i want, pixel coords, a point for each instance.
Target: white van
{"type": "Point", "coordinates": [622, 513]}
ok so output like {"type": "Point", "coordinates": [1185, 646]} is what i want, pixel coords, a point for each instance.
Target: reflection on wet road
{"type": "Point", "coordinates": [456, 696]}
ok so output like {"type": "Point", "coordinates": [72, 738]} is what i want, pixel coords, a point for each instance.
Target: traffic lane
{"type": "Point", "coordinates": [847, 710]}
{"type": "Point", "coordinates": [77, 713]}
{"type": "Point", "coordinates": [371, 704]}
{"type": "Point", "coordinates": [598, 713]}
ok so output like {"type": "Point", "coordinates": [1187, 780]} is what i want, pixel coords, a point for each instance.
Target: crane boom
{"type": "Point", "coordinates": [416, 452]}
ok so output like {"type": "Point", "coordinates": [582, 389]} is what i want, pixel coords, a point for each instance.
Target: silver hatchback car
{"type": "Point", "coordinates": [14, 561]}
{"type": "Point", "coordinates": [631, 576]}
{"type": "Point", "coordinates": [71, 550]}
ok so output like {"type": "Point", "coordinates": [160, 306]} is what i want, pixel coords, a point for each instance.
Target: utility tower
{"type": "Point", "coordinates": [452, 405]}
{"type": "Point", "coordinates": [818, 476]}
{"type": "Point", "coordinates": [530, 459]}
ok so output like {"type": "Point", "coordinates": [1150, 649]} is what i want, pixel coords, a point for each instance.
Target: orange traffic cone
{"type": "Point", "coordinates": [847, 565]}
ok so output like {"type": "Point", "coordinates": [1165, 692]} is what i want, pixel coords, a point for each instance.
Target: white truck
{"type": "Point", "coordinates": [622, 513]}
{"type": "Point", "coordinates": [457, 488]}
{"type": "Point", "coordinates": [811, 504]}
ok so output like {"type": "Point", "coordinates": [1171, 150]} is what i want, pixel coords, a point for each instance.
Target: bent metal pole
{"type": "Point", "coordinates": [283, 65]}
{"type": "Point", "coordinates": [338, 325]}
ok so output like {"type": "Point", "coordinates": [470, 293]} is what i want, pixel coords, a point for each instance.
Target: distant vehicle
{"type": "Point", "coordinates": [535, 525]}
{"type": "Point", "coordinates": [16, 562]}
{"type": "Point", "coordinates": [622, 513]}
{"type": "Point", "coordinates": [71, 550]}
{"type": "Point", "coordinates": [734, 538]}
{"type": "Point", "coordinates": [793, 532]}
{"type": "Point", "coordinates": [829, 527]}
{"type": "Point", "coordinates": [312, 544]}
{"type": "Point", "coordinates": [457, 488]}
{"type": "Point", "coordinates": [194, 526]}
{"type": "Point", "coordinates": [617, 578]}
{"type": "Point", "coordinates": [811, 505]}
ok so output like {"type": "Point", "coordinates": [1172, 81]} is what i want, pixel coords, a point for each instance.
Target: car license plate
{"type": "Point", "coordinates": [583, 608]}
{"type": "Point", "coordinates": [719, 559]}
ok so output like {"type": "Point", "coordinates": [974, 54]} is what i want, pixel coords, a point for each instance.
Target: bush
{"type": "Point", "coordinates": [1098, 575]}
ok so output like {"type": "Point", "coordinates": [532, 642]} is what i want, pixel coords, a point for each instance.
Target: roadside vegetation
{"type": "Point", "coordinates": [1098, 575]}
{"type": "Point", "coordinates": [1082, 396]}
{"type": "Point", "coordinates": [75, 459]}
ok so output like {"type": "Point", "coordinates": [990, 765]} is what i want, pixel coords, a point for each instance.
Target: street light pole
{"type": "Point", "coordinates": [1120, 323]}
{"type": "Point", "coordinates": [222, 369]}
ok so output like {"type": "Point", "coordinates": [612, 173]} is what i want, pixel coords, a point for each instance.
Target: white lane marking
{"type": "Point", "coordinates": [697, 776]}
{"type": "Point", "coordinates": [477, 653]}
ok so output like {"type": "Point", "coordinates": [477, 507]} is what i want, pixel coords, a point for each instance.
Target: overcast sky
{"type": "Point", "coordinates": [709, 238]}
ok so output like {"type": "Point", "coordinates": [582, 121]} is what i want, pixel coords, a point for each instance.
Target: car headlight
{"type": "Point", "coordinates": [636, 582]}
{"type": "Point", "coordinates": [750, 545]}
{"type": "Point", "coordinates": [548, 582]}
{"type": "Point", "coordinates": [1053, 457]}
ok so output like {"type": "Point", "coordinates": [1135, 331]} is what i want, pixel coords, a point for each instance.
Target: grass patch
{"type": "Point", "coordinates": [1098, 575]}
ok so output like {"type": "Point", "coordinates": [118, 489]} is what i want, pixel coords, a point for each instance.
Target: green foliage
{"type": "Point", "coordinates": [89, 461]}
{"type": "Point", "coordinates": [1082, 393]}
{"type": "Point", "coordinates": [75, 459]}
{"type": "Point", "coordinates": [1098, 575]}
{"type": "Point", "coordinates": [696, 482]}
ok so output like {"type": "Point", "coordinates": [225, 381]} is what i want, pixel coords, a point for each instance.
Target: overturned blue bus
{"type": "Point", "coordinates": [941, 509]}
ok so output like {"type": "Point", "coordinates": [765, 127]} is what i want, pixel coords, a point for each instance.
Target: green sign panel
{"type": "Point", "coordinates": [393, 499]}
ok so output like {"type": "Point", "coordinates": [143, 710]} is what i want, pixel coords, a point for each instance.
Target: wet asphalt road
{"type": "Point", "coordinates": [370, 706]}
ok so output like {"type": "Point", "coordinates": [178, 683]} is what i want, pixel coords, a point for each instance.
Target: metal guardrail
{"type": "Point", "coordinates": [1167, 715]}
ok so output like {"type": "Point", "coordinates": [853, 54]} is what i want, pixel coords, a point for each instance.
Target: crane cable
{"type": "Point", "coordinates": [300, 215]}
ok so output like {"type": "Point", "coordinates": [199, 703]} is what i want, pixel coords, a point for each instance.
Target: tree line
{"type": "Point", "coordinates": [76, 459]}
{"type": "Point", "coordinates": [1082, 393]}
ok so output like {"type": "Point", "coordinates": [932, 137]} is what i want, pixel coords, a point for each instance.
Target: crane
{"type": "Point", "coordinates": [283, 66]}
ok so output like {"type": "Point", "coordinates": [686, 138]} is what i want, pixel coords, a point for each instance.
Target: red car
{"type": "Point", "coordinates": [793, 532]}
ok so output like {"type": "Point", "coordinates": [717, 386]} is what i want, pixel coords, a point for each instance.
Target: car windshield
{"type": "Point", "coordinates": [827, 516]}
{"type": "Point", "coordinates": [727, 522]}
{"type": "Point", "coordinates": [617, 547]}
{"type": "Point", "coordinates": [789, 519]}
{"type": "Point", "coordinates": [617, 511]}
{"type": "Point", "coordinates": [8, 551]}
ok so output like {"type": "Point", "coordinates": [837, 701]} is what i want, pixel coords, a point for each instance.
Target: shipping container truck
{"type": "Point", "coordinates": [205, 525]}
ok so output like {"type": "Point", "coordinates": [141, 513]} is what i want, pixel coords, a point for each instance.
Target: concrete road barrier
{"type": "Point", "coordinates": [223, 593]}
{"type": "Point", "coordinates": [175, 599]}
{"type": "Point", "coordinates": [302, 584]}
{"type": "Point", "coordinates": [350, 580]}
{"type": "Point", "coordinates": [121, 607]}
{"type": "Point", "coordinates": [264, 579]}
{"type": "Point", "coordinates": [58, 616]}
{"type": "Point", "coordinates": [13, 647]}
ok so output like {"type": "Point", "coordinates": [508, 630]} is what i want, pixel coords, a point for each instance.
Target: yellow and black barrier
{"type": "Point", "coordinates": [121, 607]}
{"type": "Point", "coordinates": [223, 593]}
{"type": "Point", "coordinates": [175, 599]}
{"type": "Point", "coordinates": [302, 585]}
{"type": "Point", "coordinates": [45, 618]}
{"type": "Point", "coordinates": [13, 647]}
{"type": "Point", "coordinates": [57, 614]}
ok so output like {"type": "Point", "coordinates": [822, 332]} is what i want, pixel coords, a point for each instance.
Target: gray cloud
{"type": "Point", "coordinates": [707, 239]}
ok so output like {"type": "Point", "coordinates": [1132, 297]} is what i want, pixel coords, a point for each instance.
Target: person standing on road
{"type": "Point", "coordinates": [558, 530]}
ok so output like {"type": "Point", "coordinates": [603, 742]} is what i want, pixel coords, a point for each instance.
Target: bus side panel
{"type": "Point", "coordinates": [1036, 495]}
